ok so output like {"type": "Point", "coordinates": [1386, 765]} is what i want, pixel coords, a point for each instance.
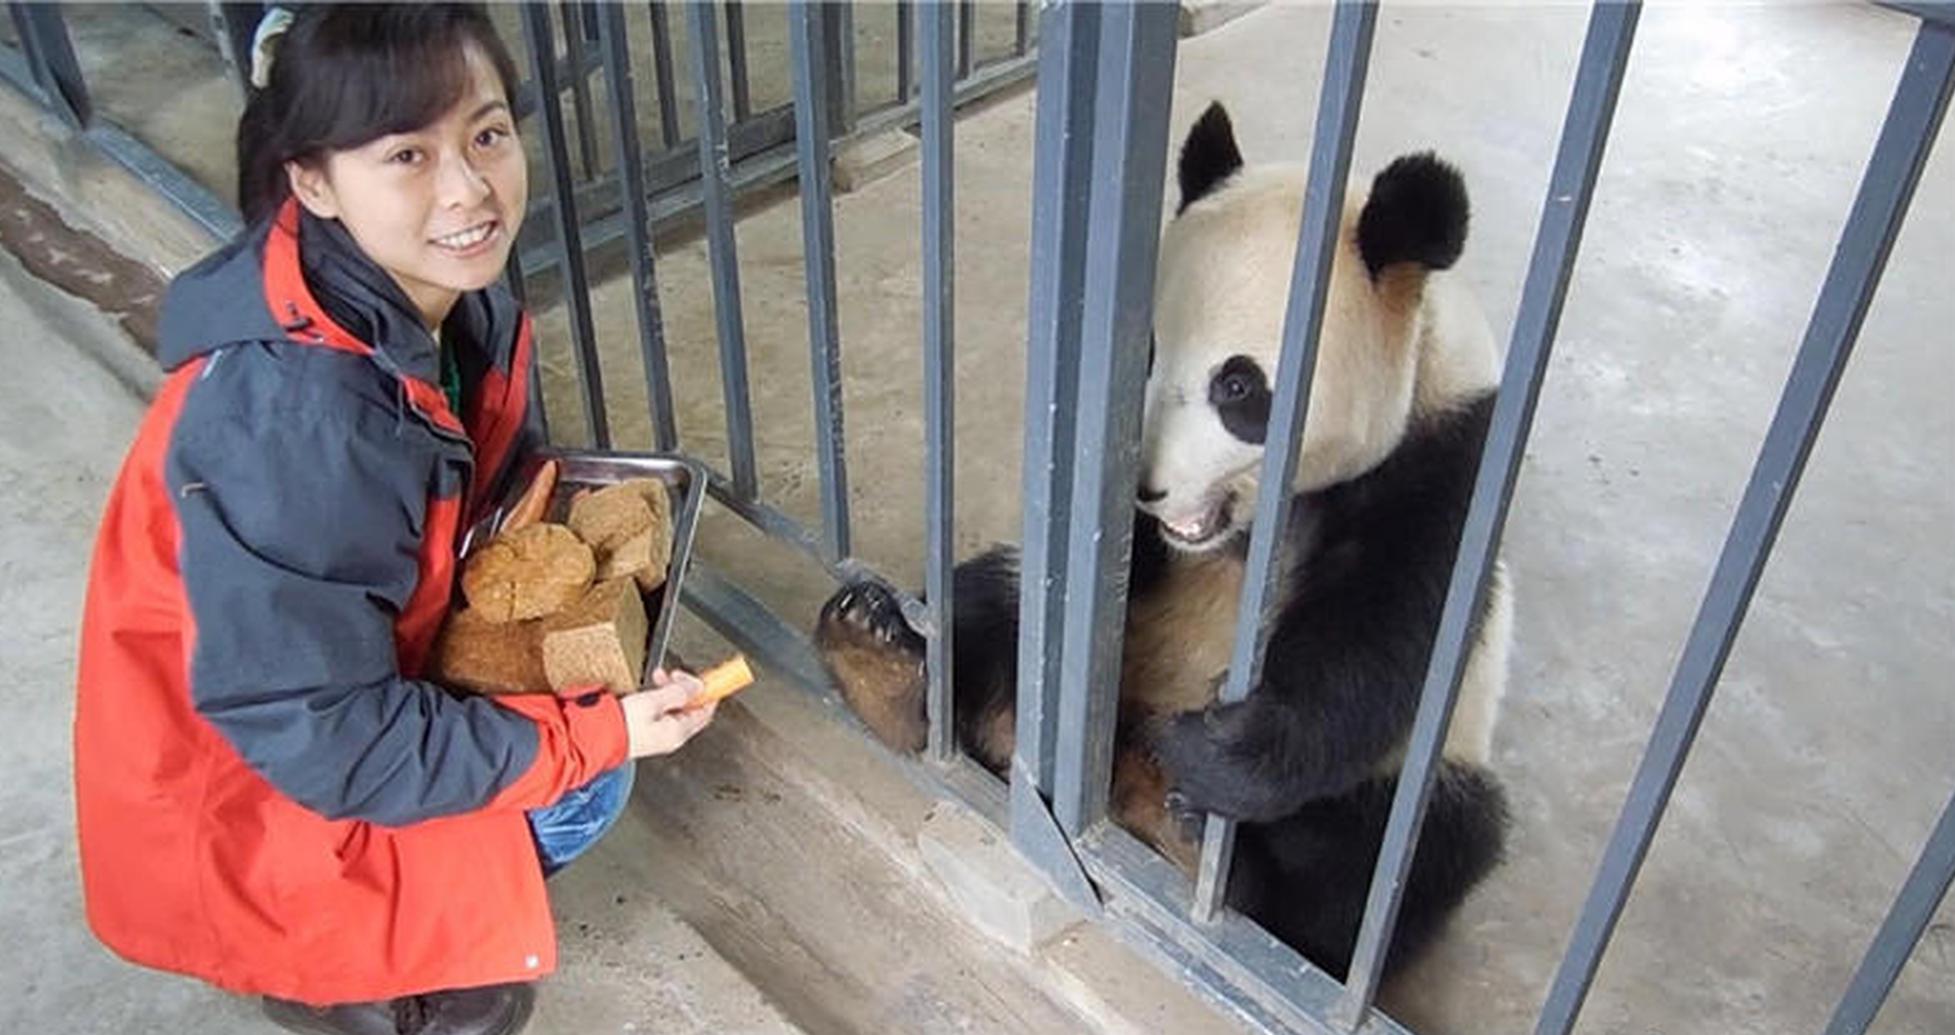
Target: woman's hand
{"type": "Point", "coordinates": [659, 720]}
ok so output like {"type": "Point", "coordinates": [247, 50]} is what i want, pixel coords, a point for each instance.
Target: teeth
{"type": "Point", "coordinates": [467, 238]}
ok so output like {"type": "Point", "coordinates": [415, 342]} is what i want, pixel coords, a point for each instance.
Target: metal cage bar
{"type": "Point", "coordinates": [1020, 27]}
{"type": "Point", "coordinates": [590, 376]}
{"type": "Point", "coordinates": [722, 253]}
{"type": "Point", "coordinates": [966, 38]}
{"type": "Point", "coordinates": [939, 393]}
{"type": "Point", "coordinates": [1134, 81]}
{"type": "Point", "coordinates": [1920, 101]}
{"type": "Point", "coordinates": [1906, 920]}
{"type": "Point", "coordinates": [668, 90]}
{"type": "Point", "coordinates": [1061, 179]}
{"type": "Point", "coordinates": [905, 50]}
{"type": "Point", "coordinates": [50, 55]}
{"type": "Point", "coordinates": [572, 15]}
{"type": "Point", "coordinates": [616, 52]}
{"type": "Point", "coordinates": [736, 60]}
{"type": "Point", "coordinates": [1571, 187]}
{"type": "Point", "coordinates": [808, 27]}
{"type": "Point", "coordinates": [1323, 218]}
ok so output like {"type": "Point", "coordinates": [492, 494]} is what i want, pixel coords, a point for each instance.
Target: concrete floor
{"type": "Point", "coordinates": [1741, 136]}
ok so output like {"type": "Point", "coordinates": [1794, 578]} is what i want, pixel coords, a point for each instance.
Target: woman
{"type": "Point", "coordinates": [270, 798]}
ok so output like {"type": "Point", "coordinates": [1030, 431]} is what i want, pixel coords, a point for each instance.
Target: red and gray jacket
{"type": "Point", "coordinates": [269, 797]}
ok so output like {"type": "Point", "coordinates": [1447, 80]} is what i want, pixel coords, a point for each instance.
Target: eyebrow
{"type": "Point", "coordinates": [487, 108]}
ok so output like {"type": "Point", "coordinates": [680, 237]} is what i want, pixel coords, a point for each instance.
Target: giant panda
{"type": "Point", "coordinates": [1406, 375]}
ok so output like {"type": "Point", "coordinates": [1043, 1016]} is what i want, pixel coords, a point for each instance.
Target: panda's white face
{"type": "Point", "coordinates": [1223, 284]}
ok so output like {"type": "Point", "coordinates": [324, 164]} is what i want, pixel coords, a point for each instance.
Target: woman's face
{"type": "Point", "coordinates": [437, 208]}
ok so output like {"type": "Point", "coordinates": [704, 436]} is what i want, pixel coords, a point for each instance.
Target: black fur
{"type": "Point", "coordinates": [1208, 156]}
{"type": "Point", "coordinates": [1347, 657]}
{"type": "Point", "coordinates": [1417, 212]}
{"type": "Point", "coordinates": [1240, 394]}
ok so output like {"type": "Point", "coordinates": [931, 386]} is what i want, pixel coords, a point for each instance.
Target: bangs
{"type": "Point", "coordinates": [394, 71]}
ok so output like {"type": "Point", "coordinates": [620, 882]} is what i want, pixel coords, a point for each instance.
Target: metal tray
{"type": "Point", "coordinates": [685, 481]}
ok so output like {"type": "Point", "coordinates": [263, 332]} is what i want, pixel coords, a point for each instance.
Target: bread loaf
{"type": "Point", "coordinates": [629, 529]}
{"type": "Point", "coordinates": [527, 573]}
{"type": "Point", "coordinates": [599, 641]}
{"type": "Point", "coordinates": [474, 653]}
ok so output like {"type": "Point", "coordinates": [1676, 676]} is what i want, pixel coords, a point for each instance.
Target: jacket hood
{"type": "Point", "coordinates": [302, 279]}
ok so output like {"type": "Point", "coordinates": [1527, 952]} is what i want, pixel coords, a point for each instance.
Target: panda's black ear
{"type": "Point", "coordinates": [1208, 156]}
{"type": "Point", "coordinates": [1416, 213]}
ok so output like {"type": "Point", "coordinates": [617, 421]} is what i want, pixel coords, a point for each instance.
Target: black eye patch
{"type": "Point", "coordinates": [1240, 394]}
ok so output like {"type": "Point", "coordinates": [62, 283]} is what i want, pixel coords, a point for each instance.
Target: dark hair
{"type": "Point", "coordinates": [343, 75]}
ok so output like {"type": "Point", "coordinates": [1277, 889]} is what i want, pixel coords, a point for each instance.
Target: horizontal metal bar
{"type": "Point", "coordinates": [990, 78]}
{"type": "Point", "coordinates": [1338, 105]}
{"type": "Point", "coordinates": [808, 29]}
{"type": "Point", "coordinates": [195, 200]}
{"type": "Point", "coordinates": [939, 393]}
{"type": "Point", "coordinates": [1913, 908]}
{"type": "Point", "coordinates": [1134, 80]}
{"type": "Point", "coordinates": [1939, 11]}
{"type": "Point", "coordinates": [1231, 962]}
{"type": "Point", "coordinates": [1920, 101]}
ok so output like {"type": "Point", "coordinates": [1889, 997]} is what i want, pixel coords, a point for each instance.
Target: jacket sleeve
{"type": "Point", "coordinates": [300, 535]}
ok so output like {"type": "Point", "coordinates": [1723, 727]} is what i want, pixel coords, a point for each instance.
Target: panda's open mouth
{"type": "Point", "coordinates": [1203, 529]}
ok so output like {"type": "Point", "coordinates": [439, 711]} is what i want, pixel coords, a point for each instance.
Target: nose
{"type": "Point", "coordinates": [1149, 494]}
{"type": "Point", "coordinates": [462, 183]}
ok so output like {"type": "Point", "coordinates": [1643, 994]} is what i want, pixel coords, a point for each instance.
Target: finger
{"type": "Point", "coordinates": [668, 698]}
{"type": "Point", "coordinates": [660, 677]}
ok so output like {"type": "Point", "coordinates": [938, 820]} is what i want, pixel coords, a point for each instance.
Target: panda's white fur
{"type": "Point", "coordinates": [1412, 345]}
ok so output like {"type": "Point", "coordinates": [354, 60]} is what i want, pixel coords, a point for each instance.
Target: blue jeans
{"type": "Point", "coordinates": [564, 829]}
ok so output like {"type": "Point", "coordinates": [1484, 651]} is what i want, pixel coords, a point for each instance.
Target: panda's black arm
{"type": "Point", "coordinates": [1347, 659]}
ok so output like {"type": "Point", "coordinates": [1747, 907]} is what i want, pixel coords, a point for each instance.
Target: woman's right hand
{"type": "Point", "coordinates": [658, 720]}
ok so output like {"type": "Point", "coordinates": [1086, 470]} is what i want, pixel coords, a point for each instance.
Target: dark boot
{"type": "Point", "coordinates": [494, 1010]}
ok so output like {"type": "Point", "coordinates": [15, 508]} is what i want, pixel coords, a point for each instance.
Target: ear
{"type": "Point", "coordinates": [314, 191]}
{"type": "Point", "coordinates": [1417, 212]}
{"type": "Point", "coordinates": [1208, 156]}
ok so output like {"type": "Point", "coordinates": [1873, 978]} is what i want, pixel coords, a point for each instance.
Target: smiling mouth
{"type": "Point", "coordinates": [471, 241]}
{"type": "Point", "coordinates": [1202, 529]}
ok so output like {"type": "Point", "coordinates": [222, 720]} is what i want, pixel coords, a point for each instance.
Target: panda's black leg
{"type": "Point", "coordinates": [1305, 877]}
{"type": "Point", "coordinates": [877, 661]}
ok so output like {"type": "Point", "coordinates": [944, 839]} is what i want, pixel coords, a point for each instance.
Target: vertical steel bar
{"type": "Point", "coordinates": [905, 50]}
{"type": "Point", "coordinates": [1338, 105]}
{"type": "Point", "coordinates": [716, 194]}
{"type": "Point", "coordinates": [616, 44]}
{"type": "Point", "coordinates": [966, 37]}
{"type": "Point", "coordinates": [1061, 186]}
{"type": "Point", "coordinates": [1933, 870]}
{"type": "Point", "coordinates": [736, 56]}
{"type": "Point", "coordinates": [1130, 127]}
{"type": "Point", "coordinates": [1920, 101]}
{"type": "Point", "coordinates": [1571, 186]}
{"type": "Point", "coordinates": [939, 396]}
{"type": "Point", "coordinates": [576, 287]}
{"type": "Point", "coordinates": [44, 41]}
{"type": "Point", "coordinates": [807, 29]}
{"type": "Point", "coordinates": [1020, 26]}
{"type": "Point", "coordinates": [580, 84]}
{"type": "Point", "coordinates": [662, 72]}
{"type": "Point", "coordinates": [838, 54]}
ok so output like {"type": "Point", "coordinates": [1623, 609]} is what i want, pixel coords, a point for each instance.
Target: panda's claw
{"type": "Point", "coordinates": [867, 614]}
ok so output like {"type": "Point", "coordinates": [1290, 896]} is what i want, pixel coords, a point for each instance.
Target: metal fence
{"type": "Point", "coordinates": [1104, 76]}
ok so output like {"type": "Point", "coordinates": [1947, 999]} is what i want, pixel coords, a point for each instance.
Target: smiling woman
{"type": "Point", "coordinates": [272, 797]}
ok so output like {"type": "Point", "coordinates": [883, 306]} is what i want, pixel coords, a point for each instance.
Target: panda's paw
{"type": "Point", "coordinates": [1206, 768]}
{"type": "Point", "coordinates": [876, 660]}
{"type": "Point", "coordinates": [867, 614]}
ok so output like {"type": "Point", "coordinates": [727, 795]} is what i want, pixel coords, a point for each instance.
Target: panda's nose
{"type": "Point", "coordinates": [1150, 495]}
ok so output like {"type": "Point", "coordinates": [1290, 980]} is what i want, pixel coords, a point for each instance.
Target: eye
{"type": "Point", "coordinates": [1239, 391]}
{"type": "Point", "coordinates": [491, 137]}
{"type": "Point", "coordinates": [404, 156]}
{"type": "Point", "coordinates": [1233, 387]}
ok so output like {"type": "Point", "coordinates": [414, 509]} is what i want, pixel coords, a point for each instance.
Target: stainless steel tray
{"type": "Point", "coordinates": [685, 480]}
